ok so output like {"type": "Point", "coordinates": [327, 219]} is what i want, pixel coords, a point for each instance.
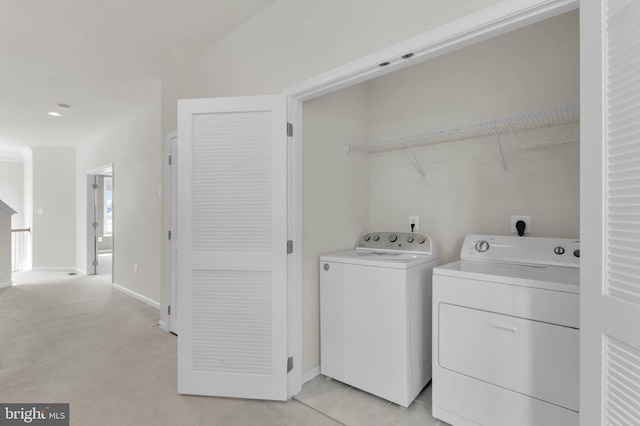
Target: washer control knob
{"type": "Point", "coordinates": [367, 237]}
{"type": "Point", "coordinates": [393, 238]}
{"type": "Point", "coordinates": [326, 267]}
{"type": "Point", "coordinates": [376, 237]}
{"type": "Point", "coordinates": [558, 250]}
{"type": "Point", "coordinates": [421, 240]}
{"type": "Point", "coordinates": [409, 239]}
{"type": "Point", "coordinates": [482, 246]}
{"type": "Point", "coordinates": [576, 253]}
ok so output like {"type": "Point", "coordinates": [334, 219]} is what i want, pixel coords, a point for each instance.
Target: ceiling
{"type": "Point", "coordinates": [103, 58]}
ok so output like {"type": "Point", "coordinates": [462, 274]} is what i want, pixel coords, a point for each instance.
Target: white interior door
{"type": "Point", "coordinates": [174, 261]}
{"type": "Point", "coordinates": [92, 224]}
{"type": "Point", "coordinates": [232, 197]}
{"type": "Point", "coordinates": [610, 213]}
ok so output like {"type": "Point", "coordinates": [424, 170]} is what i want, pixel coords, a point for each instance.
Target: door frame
{"type": "Point", "coordinates": [171, 197]}
{"type": "Point", "coordinates": [482, 25]}
{"type": "Point", "coordinates": [92, 253]}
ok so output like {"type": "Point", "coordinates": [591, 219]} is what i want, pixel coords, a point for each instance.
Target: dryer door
{"type": "Point", "coordinates": [529, 357]}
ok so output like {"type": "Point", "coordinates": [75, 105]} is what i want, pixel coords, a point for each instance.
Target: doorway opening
{"type": "Point", "coordinates": [100, 244]}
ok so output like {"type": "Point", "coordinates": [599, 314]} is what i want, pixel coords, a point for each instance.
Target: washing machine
{"type": "Point", "coordinates": [506, 333]}
{"type": "Point", "coordinates": [375, 314]}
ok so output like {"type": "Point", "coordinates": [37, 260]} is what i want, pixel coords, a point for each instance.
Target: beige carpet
{"type": "Point", "coordinates": [74, 339]}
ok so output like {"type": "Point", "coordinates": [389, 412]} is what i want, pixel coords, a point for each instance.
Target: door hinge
{"type": "Point", "coordinates": [94, 186]}
{"type": "Point", "coordinates": [94, 224]}
{"type": "Point", "coordinates": [289, 246]}
{"type": "Point", "coordinates": [169, 310]}
{"type": "Point", "coordinates": [169, 234]}
{"type": "Point", "coordinates": [94, 263]}
{"type": "Point", "coordinates": [289, 364]}
{"type": "Point", "coordinates": [289, 129]}
{"type": "Point", "coordinates": [169, 160]}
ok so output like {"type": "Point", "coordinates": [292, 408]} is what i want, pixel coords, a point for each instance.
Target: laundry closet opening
{"type": "Point", "coordinates": [465, 188]}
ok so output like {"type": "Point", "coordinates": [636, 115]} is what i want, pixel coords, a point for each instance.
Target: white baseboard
{"type": "Point", "coordinates": [311, 374]}
{"type": "Point", "coordinates": [137, 296]}
{"type": "Point", "coordinates": [54, 268]}
{"type": "Point", "coordinates": [163, 326]}
{"type": "Point", "coordinates": [81, 271]}
{"type": "Point", "coordinates": [5, 285]}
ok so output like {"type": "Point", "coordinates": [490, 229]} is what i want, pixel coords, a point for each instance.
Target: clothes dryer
{"type": "Point", "coordinates": [506, 333]}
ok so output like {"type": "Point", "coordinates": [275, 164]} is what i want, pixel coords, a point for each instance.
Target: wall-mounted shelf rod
{"type": "Point", "coordinates": [496, 127]}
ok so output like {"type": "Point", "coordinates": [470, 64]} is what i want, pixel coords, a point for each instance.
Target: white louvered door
{"type": "Point", "coordinates": [232, 198]}
{"type": "Point", "coordinates": [610, 213]}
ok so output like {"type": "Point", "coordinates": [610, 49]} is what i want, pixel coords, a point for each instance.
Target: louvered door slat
{"type": "Point", "coordinates": [623, 149]}
{"type": "Point", "coordinates": [624, 81]}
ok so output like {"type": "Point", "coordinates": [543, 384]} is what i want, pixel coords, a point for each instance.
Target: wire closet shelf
{"type": "Point", "coordinates": [517, 123]}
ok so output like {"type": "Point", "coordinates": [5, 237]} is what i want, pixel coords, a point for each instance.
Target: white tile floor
{"type": "Point", "coordinates": [353, 407]}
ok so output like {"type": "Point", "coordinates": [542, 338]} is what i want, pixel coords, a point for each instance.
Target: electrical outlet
{"type": "Point", "coordinates": [525, 219]}
{"type": "Point", "coordinates": [414, 220]}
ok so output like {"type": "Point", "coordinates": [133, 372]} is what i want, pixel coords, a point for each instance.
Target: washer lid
{"type": "Point", "coordinates": [556, 278]}
{"type": "Point", "coordinates": [394, 260]}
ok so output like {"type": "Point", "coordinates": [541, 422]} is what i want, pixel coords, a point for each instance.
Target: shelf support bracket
{"type": "Point", "coordinates": [416, 162]}
{"type": "Point", "coordinates": [504, 163]}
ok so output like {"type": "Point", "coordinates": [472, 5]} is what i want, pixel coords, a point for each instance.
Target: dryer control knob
{"type": "Point", "coordinates": [558, 250]}
{"type": "Point", "coordinates": [393, 238]}
{"type": "Point", "coordinates": [367, 237]}
{"type": "Point", "coordinates": [409, 240]}
{"type": "Point", "coordinates": [482, 246]}
{"type": "Point", "coordinates": [421, 240]}
{"type": "Point", "coordinates": [376, 237]}
{"type": "Point", "coordinates": [576, 253]}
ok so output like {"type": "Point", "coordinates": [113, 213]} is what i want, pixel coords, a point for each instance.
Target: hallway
{"type": "Point", "coordinates": [74, 339]}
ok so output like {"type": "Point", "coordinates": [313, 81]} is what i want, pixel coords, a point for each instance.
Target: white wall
{"type": "Point", "coordinates": [134, 147]}
{"type": "Point", "coordinates": [294, 40]}
{"type": "Point", "coordinates": [466, 190]}
{"type": "Point", "coordinates": [53, 232]}
{"type": "Point", "coordinates": [336, 195]}
{"type": "Point", "coordinates": [12, 189]}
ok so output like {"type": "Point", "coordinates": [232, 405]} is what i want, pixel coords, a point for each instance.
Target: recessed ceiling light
{"type": "Point", "coordinates": [55, 114]}
{"type": "Point", "coordinates": [63, 107]}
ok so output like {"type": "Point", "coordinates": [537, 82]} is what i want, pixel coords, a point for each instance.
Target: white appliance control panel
{"type": "Point", "coordinates": [522, 250]}
{"type": "Point", "coordinates": [406, 242]}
